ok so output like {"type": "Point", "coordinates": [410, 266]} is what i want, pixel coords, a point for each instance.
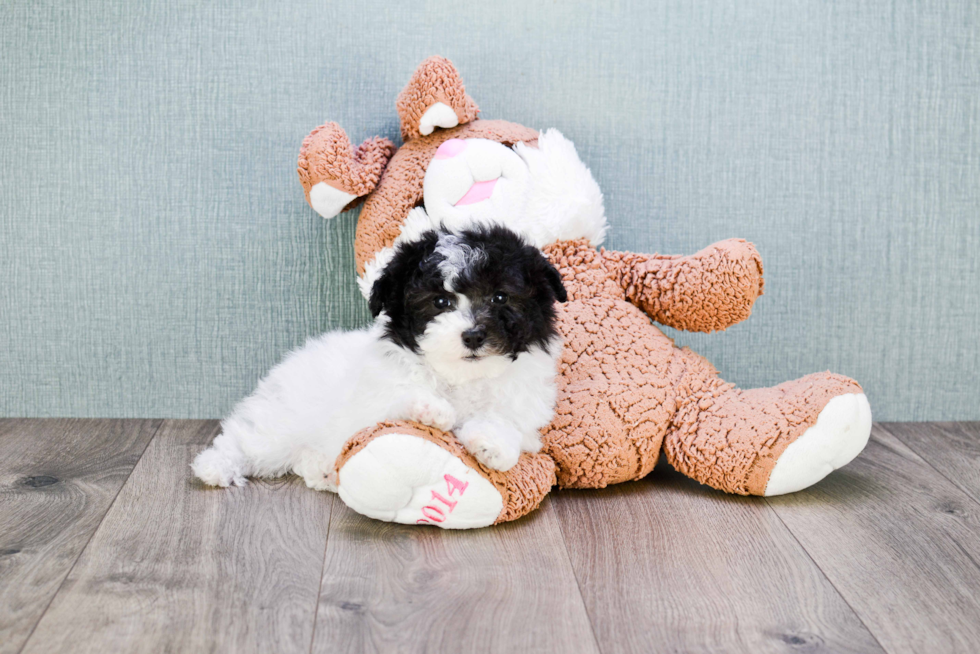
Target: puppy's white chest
{"type": "Point", "coordinates": [472, 398]}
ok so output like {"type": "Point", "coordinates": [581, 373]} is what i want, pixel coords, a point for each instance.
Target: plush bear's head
{"type": "Point", "coordinates": [454, 170]}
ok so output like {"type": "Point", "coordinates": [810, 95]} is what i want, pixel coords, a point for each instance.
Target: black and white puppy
{"type": "Point", "coordinates": [464, 338]}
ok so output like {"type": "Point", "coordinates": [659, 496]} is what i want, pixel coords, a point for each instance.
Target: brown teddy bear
{"type": "Point", "coordinates": [625, 391]}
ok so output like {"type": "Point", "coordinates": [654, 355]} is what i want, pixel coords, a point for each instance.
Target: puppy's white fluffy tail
{"type": "Point", "coordinates": [223, 464]}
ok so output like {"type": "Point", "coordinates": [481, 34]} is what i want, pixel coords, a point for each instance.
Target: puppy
{"type": "Point", "coordinates": [464, 339]}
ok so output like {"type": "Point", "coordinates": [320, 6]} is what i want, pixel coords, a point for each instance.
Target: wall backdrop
{"type": "Point", "coordinates": [157, 256]}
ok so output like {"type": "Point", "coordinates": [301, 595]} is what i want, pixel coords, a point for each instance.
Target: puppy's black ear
{"type": "Point", "coordinates": [554, 278]}
{"type": "Point", "coordinates": [381, 292]}
{"type": "Point", "coordinates": [388, 291]}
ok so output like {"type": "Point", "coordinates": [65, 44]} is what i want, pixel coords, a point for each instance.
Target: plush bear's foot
{"type": "Point", "coordinates": [732, 439]}
{"type": "Point", "coordinates": [405, 472]}
{"type": "Point", "coordinates": [840, 433]}
{"type": "Point", "coordinates": [402, 478]}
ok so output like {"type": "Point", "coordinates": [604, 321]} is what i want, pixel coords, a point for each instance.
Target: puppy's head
{"type": "Point", "coordinates": [470, 302]}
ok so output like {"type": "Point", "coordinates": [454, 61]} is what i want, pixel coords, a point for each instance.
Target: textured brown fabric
{"type": "Point", "coordinates": [522, 487]}
{"type": "Point", "coordinates": [435, 80]}
{"type": "Point", "coordinates": [624, 389]}
{"type": "Point", "coordinates": [525, 485]}
{"type": "Point", "coordinates": [400, 188]}
{"type": "Point", "coordinates": [614, 397]}
{"type": "Point", "coordinates": [705, 292]}
{"type": "Point", "coordinates": [327, 156]}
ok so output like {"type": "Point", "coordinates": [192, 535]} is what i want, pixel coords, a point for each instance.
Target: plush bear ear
{"type": "Point", "coordinates": [434, 97]}
{"type": "Point", "coordinates": [334, 175]}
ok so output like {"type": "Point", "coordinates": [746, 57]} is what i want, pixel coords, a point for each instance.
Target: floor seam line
{"type": "Point", "coordinates": [939, 472]}
{"type": "Point", "coordinates": [81, 552]}
{"type": "Point", "coordinates": [823, 573]}
{"type": "Point", "coordinates": [578, 585]}
{"type": "Point", "coordinates": [323, 567]}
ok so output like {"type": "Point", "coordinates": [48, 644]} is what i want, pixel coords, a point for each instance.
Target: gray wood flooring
{"type": "Point", "coordinates": [108, 545]}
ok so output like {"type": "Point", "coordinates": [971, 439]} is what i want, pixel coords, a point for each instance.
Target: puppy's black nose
{"type": "Point", "coordinates": [475, 337]}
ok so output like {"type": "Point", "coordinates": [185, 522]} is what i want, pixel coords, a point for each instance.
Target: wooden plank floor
{"type": "Point", "coordinates": [57, 480]}
{"type": "Point", "coordinates": [108, 545]}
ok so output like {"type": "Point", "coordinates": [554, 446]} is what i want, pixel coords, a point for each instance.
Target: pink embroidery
{"type": "Point", "coordinates": [454, 484]}
{"type": "Point", "coordinates": [450, 503]}
{"type": "Point", "coordinates": [435, 514]}
{"type": "Point", "coordinates": [432, 514]}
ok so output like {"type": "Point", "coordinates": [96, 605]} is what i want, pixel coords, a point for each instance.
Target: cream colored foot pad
{"type": "Point", "coordinates": [841, 432]}
{"type": "Point", "coordinates": [407, 479]}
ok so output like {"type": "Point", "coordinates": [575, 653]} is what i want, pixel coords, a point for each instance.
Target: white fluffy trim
{"type": "Point", "coordinates": [564, 201]}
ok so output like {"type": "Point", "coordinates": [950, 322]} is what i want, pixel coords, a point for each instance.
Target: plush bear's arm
{"type": "Point", "coordinates": [703, 292]}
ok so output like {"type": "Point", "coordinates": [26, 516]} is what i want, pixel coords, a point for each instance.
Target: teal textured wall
{"type": "Point", "coordinates": [156, 254]}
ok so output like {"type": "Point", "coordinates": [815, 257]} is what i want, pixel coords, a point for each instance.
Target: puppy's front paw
{"type": "Point", "coordinates": [433, 411]}
{"type": "Point", "coordinates": [491, 444]}
{"type": "Point", "coordinates": [495, 455]}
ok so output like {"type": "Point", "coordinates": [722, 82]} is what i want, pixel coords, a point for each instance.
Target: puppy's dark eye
{"type": "Point", "coordinates": [499, 298]}
{"type": "Point", "coordinates": [443, 302]}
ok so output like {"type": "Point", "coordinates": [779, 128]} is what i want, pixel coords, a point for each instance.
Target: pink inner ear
{"type": "Point", "coordinates": [479, 192]}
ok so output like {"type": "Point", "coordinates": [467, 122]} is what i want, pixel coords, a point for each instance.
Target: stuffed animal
{"type": "Point", "coordinates": [625, 391]}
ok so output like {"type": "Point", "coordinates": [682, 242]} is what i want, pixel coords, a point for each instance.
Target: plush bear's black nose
{"type": "Point", "coordinates": [475, 337]}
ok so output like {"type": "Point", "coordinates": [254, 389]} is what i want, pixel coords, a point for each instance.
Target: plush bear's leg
{"type": "Point", "coordinates": [765, 441]}
{"type": "Point", "coordinates": [406, 472]}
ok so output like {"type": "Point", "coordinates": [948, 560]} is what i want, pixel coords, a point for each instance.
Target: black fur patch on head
{"type": "Point", "coordinates": [510, 286]}
{"type": "Point", "coordinates": [410, 277]}
{"type": "Point", "coordinates": [512, 290]}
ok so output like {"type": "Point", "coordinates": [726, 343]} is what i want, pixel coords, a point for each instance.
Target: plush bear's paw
{"type": "Point", "coordinates": [840, 433]}
{"type": "Point", "coordinates": [408, 479]}
{"type": "Point", "coordinates": [434, 412]}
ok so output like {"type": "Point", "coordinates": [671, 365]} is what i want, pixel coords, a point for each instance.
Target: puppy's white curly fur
{"type": "Point", "coordinates": [308, 406]}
